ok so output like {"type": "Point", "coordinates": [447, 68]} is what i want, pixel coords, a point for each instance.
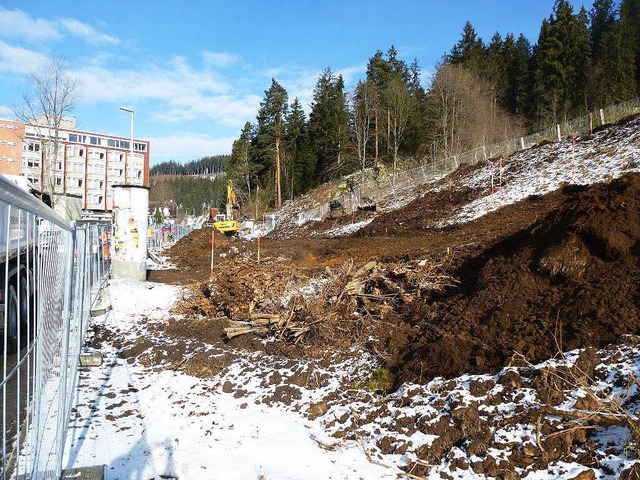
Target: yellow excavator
{"type": "Point", "coordinates": [228, 224]}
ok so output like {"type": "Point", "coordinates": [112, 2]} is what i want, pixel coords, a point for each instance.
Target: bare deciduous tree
{"type": "Point", "coordinates": [363, 111]}
{"type": "Point", "coordinates": [399, 104]}
{"type": "Point", "coordinates": [464, 112]}
{"type": "Point", "coordinates": [54, 95]}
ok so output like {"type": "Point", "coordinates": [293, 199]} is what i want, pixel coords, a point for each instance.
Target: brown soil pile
{"type": "Point", "coordinates": [555, 271]}
{"type": "Point", "coordinates": [570, 280]}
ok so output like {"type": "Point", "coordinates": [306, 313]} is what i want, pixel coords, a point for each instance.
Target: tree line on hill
{"type": "Point", "coordinates": [480, 93]}
{"type": "Point", "coordinates": [205, 166]}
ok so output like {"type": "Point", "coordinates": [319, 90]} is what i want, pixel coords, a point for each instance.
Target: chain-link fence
{"type": "Point", "coordinates": [51, 272]}
{"type": "Point", "coordinates": [379, 187]}
{"type": "Point", "coordinates": [163, 235]}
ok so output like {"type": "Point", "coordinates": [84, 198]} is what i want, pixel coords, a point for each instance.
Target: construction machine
{"type": "Point", "coordinates": [228, 224]}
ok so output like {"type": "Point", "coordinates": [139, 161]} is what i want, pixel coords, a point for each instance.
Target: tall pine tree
{"type": "Point", "coordinates": [563, 56]}
{"type": "Point", "coordinates": [273, 110]}
{"type": "Point", "coordinates": [630, 25]}
{"type": "Point", "coordinates": [329, 126]}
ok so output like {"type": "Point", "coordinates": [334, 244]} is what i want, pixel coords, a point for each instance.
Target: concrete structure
{"type": "Point", "coordinates": [85, 164]}
{"type": "Point", "coordinates": [129, 241]}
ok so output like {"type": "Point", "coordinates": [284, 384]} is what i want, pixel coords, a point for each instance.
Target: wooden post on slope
{"type": "Point", "coordinates": [213, 247]}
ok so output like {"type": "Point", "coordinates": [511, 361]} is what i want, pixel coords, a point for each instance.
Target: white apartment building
{"type": "Point", "coordinates": [86, 164]}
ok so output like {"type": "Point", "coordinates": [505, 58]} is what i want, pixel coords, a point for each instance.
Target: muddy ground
{"type": "Point", "coordinates": [551, 272]}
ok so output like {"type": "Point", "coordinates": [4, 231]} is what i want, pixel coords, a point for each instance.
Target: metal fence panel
{"type": "Point", "coordinates": [50, 273]}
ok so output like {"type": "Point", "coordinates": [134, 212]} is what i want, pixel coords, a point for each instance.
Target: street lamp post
{"type": "Point", "coordinates": [125, 109]}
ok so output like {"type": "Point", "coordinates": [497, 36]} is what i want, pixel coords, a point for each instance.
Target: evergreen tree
{"type": "Point", "coordinates": [416, 135]}
{"type": "Point", "coordinates": [630, 25]}
{"type": "Point", "coordinates": [563, 59]}
{"type": "Point", "coordinates": [613, 76]}
{"type": "Point", "coordinates": [380, 72]}
{"type": "Point", "coordinates": [495, 68]}
{"type": "Point", "coordinates": [469, 51]}
{"type": "Point", "coordinates": [602, 16]}
{"type": "Point", "coordinates": [297, 165]}
{"type": "Point", "coordinates": [521, 78]}
{"type": "Point", "coordinates": [273, 110]}
{"type": "Point", "coordinates": [329, 126]}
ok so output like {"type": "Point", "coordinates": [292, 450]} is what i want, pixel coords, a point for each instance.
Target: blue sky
{"type": "Point", "coordinates": [196, 71]}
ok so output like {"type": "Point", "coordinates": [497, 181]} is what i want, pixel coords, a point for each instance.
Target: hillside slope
{"type": "Point", "coordinates": [418, 330]}
{"type": "Point", "coordinates": [545, 260]}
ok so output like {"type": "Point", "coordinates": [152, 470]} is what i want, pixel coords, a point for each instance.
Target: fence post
{"type": "Point", "coordinates": [601, 116]}
{"type": "Point", "coordinates": [64, 353]}
{"type": "Point", "coordinates": [559, 137]}
{"type": "Point", "coordinates": [522, 142]}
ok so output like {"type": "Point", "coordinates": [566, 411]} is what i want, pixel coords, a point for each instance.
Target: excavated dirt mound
{"type": "Point", "coordinates": [570, 280]}
{"type": "Point", "coordinates": [550, 272]}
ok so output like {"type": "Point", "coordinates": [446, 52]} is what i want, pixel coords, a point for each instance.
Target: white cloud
{"type": "Point", "coordinates": [184, 94]}
{"type": "Point", "coordinates": [226, 110]}
{"type": "Point", "coordinates": [185, 147]}
{"type": "Point", "coordinates": [17, 59]}
{"type": "Point", "coordinates": [155, 82]}
{"type": "Point", "coordinates": [219, 59]}
{"type": "Point", "coordinates": [90, 34]}
{"type": "Point", "coordinates": [18, 24]}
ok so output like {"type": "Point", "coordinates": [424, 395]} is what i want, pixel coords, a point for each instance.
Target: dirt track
{"type": "Point", "coordinates": [557, 270]}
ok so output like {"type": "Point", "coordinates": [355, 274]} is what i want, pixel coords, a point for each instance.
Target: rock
{"type": "Point", "coordinates": [479, 388]}
{"type": "Point", "coordinates": [588, 402]}
{"type": "Point", "coordinates": [317, 410]}
{"type": "Point", "coordinates": [386, 445]}
{"type": "Point", "coordinates": [509, 475]}
{"type": "Point", "coordinates": [511, 380]}
{"type": "Point", "coordinates": [227, 387]}
{"type": "Point", "coordinates": [529, 450]}
{"type": "Point", "coordinates": [585, 475]}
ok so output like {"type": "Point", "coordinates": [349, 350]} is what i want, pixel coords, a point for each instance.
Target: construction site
{"type": "Point", "coordinates": [467, 283]}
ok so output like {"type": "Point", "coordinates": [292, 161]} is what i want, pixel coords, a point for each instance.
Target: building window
{"type": "Point", "coordinates": [58, 181]}
{"type": "Point", "coordinates": [79, 182]}
{"type": "Point", "coordinates": [81, 152]}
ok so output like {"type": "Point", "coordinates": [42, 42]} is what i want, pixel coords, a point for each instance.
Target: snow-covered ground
{"type": "Point", "coordinates": [144, 423]}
